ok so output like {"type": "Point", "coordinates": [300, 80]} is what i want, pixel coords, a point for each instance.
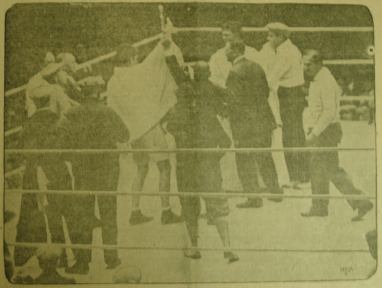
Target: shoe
{"type": "Point", "coordinates": [114, 264]}
{"type": "Point", "coordinates": [62, 262]}
{"type": "Point", "coordinates": [137, 217]}
{"type": "Point", "coordinates": [78, 268]}
{"type": "Point", "coordinates": [276, 199]}
{"type": "Point", "coordinates": [316, 212]}
{"type": "Point", "coordinates": [251, 203]}
{"type": "Point", "coordinates": [169, 217]}
{"type": "Point", "coordinates": [192, 253]}
{"type": "Point", "coordinates": [232, 257]}
{"type": "Point", "coordinates": [363, 208]}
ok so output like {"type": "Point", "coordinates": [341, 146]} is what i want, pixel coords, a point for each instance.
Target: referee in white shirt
{"type": "Point", "coordinates": [324, 130]}
{"type": "Point", "coordinates": [286, 78]}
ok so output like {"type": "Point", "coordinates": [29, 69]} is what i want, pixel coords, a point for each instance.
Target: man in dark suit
{"type": "Point", "coordinates": [93, 126]}
{"type": "Point", "coordinates": [252, 123]}
{"type": "Point", "coordinates": [40, 132]}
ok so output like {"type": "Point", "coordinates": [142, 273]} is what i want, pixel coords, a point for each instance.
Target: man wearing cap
{"type": "Point", "coordinates": [40, 132]}
{"type": "Point", "coordinates": [286, 78]}
{"type": "Point", "coordinates": [324, 130]}
{"type": "Point", "coordinates": [252, 123]}
{"type": "Point", "coordinates": [48, 76]}
{"type": "Point", "coordinates": [93, 125]}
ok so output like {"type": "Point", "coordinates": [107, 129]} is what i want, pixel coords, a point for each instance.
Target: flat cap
{"type": "Point", "coordinates": [279, 29]}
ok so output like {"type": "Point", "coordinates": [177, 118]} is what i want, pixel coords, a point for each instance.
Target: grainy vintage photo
{"type": "Point", "coordinates": [164, 143]}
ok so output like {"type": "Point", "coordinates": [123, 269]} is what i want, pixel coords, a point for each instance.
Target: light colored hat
{"type": "Point", "coordinates": [279, 29]}
{"type": "Point", "coordinates": [67, 58]}
{"type": "Point", "coordinates": [51, 68]}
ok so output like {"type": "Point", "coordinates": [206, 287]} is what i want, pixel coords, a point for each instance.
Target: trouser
{"type": "Point", "coordinates": [324, 168]}
{"type": "Point", "coordinates": [32, 225]}
{"type": "Point", "coordinates": [81, 222]}
{"type": "Point", "coordinates": [187, 181]}
{"type": "Point", "coordinates": [247, 168]}
{"type": "Point", "coordinates": [292, 103]}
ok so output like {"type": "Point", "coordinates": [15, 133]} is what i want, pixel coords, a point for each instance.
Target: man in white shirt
{"type": "Point", "coordinates": [268, 57]}
{"type": "Point", "coordinates": [324, 130]}
{"type": "Point", "coordinates": [220, 68]}
{"type": "Point", "coordinates": [286, 78]}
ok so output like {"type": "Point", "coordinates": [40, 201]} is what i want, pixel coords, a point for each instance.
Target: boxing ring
{"type": "Point", "coordinates": [122, 193]}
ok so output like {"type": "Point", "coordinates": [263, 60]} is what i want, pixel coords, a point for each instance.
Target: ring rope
{"type": "Point", "coordinates": [186, 150]}
{"type": "Point", "coordinates": [126, 247]}
{"type": "Point", "coordinates": [215, 29]}
{"type": "Point", "coordinates": [292, 29]}
{"type": "Point", "coordinates": [190, 194]}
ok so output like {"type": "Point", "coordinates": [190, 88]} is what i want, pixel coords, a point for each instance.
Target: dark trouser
{"type": "Point", "coordinates": [187, 181]}
{"type": "Point", "coordinates": [292, 103]}
{"type": "Point", "coordinates": [324, 168]}
{"type": "Point", "coordinates": [80, 225]}
{"type": "Point", "coordinates": [247, 168]}
{"type": "Point", "coordinates": [32, 226]}
{"type": "Point", "coordinates": [81, 222]}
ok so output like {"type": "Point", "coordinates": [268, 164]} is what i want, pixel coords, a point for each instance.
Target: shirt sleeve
{"type": "Point", "coordinates": [217, 76]}
{"type": "Point", "coordinates": [328, 95]}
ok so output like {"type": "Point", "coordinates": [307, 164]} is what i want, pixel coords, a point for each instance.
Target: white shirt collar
{"type": "Point", "coordinates": [284, 45]}
{"type": "Point", "coordinates": [319, 73]}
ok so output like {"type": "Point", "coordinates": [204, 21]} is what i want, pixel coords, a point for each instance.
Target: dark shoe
{"type": "Point", "coordinates": [137, 217]}
{"type": "Point", "coordinates": [276, 199]}
{"type": "Point", "coordinates": [251, 203]}
{"type": "Point", "coordinates": [169, 217]}
{"type": "Point", "coordinates": [114, 264]}
{"type": "Point", "coordinates": [231, 257]}
{"type": "Point", "coordinates": [62, 262]}
{"type": "Point", "coordinates": [363, 208]}
{"type": "Point", "coordinates": [78, 268]}
{"type": "Point", "coordinates": [316, 212]}
{"type": "Point", "coordinates": [192, 253]}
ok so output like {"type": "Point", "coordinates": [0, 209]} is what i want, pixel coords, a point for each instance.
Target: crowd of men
{"type": "Point", "coordinates": [242, 98]}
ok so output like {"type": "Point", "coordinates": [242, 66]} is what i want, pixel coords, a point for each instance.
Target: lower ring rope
{"type": "Point", "coordinates": [125, 247]}
{"type": "Point", "coordinates": [192, 194]}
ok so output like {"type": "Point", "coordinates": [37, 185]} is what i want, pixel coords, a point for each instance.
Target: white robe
{"type": "Point", "coordinates": [142, 94]}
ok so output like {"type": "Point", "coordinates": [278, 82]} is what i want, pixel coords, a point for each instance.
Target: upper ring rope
{"type": "Point", "coordinates": [186, 150]}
